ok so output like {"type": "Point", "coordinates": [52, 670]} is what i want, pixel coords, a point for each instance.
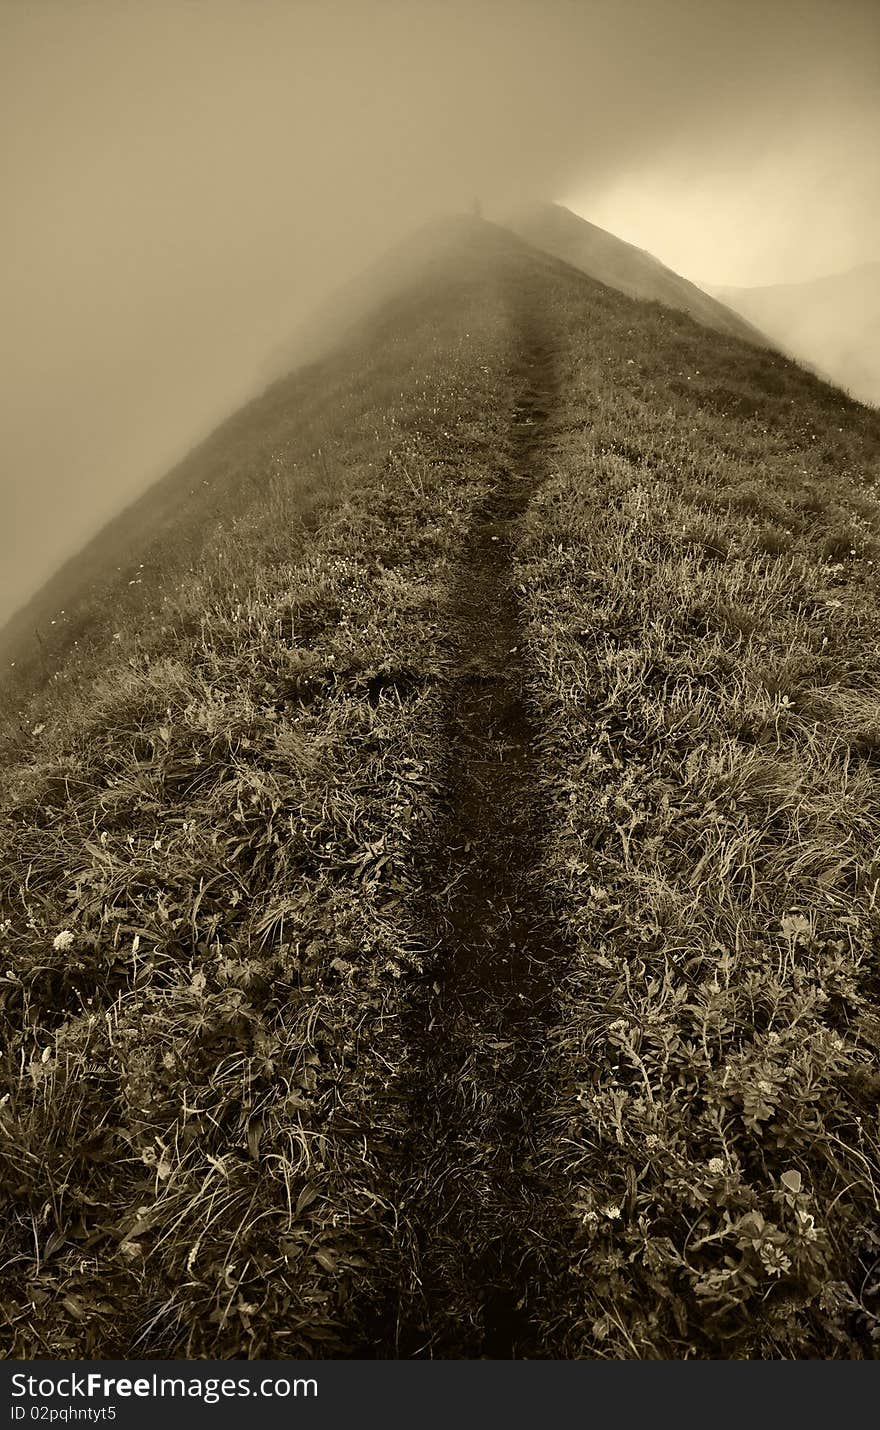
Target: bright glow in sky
{"type": "Point", "coordinates": [779, 212]}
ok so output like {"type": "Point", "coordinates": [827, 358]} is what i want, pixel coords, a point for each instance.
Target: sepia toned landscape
{"type": "Point", "coordinates": [440, 843]}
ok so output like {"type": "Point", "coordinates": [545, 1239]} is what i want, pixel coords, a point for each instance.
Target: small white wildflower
{"type": "Point", "coordinates": [611, 1212]}
{"type": "Point", "coordinates": [716, 1166]}
{"type": "Point", "coordinates": [774, 1259]}
{"type": "Point", "coordinates": [63, 940]}
{"type": "Point", "coordinates": [652, 1140]}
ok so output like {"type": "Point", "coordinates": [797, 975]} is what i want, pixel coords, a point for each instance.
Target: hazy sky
{"type": "Point", "coordinates": [183, 178]}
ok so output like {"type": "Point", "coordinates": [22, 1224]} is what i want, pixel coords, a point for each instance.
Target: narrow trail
{"type": "Point", "coordinates": [475, 1218]}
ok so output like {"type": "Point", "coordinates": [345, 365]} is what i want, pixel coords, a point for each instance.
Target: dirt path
{"type": "Point", "coordinates": [474, 1206]}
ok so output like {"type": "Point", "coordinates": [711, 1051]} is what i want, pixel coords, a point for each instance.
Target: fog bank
{"type": "Point", "coordinates": [184, 181]}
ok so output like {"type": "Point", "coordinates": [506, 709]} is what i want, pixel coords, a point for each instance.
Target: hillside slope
{"type": "Point", "coordinates": [442, 921]}
{"type": "Point", "coordinates": [611, 260]}
{"type": "Point", "coordinates": [129, 571]}
{"type": "Point", "coordinates": [831, 323]}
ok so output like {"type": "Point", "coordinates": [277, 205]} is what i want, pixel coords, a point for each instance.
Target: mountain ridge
{"type": "Point", "coordinates": [462, 243]}
{"type": "Point", "coordinates": [622, 265]}
{"type": "Point", "coordinates": [438, 906]}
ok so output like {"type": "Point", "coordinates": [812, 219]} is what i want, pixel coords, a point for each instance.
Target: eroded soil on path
{"type": "Point", "coordinates": [475, 1215]}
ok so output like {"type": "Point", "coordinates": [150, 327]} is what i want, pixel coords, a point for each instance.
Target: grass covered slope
{"type": "Point", "coordinates": [286, 452]}
{"type": "Point", "coordinates": [700, 589]}
{"type": "Point", "coordinates": [262, 1094]}
{"type": "Point", "coordinates": [204, 880]}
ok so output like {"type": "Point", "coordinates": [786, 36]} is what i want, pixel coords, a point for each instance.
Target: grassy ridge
{"type": "Point", "coordinates": [214, 834]}
{"type": "Point", "coordinates": [700, 585]}
{"type": "Point", "coordinates": [204, 920]}
{"type": "Point", "coordinates": [328, 425]}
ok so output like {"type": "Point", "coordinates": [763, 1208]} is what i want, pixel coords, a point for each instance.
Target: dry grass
{"type": "Point", "coordinates": [710, 689]}
{"type": "Point", "coordinates": [228, 809]}
{"type": "Point", "coordinates": [195, 1117]}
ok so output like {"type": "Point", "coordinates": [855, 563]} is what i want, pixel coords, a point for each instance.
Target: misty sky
{"type": "Point", "coordinates": [183, 178]}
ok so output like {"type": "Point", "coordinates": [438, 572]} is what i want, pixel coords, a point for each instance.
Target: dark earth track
{"type": "Point", "coordinates": [476, 1220]}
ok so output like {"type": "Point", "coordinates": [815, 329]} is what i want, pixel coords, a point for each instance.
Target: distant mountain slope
{"type": "Point", "coordinates": [621, 265]}
{"type": "Point", "coordinates": [831, 323]}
